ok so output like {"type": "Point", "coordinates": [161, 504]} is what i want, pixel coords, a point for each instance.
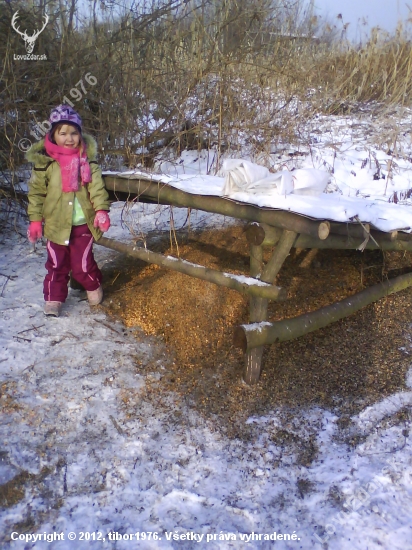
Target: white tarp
{"type": "Point", "coordinates": [245, 176]}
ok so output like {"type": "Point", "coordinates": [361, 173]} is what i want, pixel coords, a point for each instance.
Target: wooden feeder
{"type": "Point", "coordinates": [267, 227]}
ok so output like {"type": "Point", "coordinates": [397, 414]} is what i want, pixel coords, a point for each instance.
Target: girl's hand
{"type": "Point", "coordinates": [34, 232]}
{"type": "Point", "coordinates": [102, 220]}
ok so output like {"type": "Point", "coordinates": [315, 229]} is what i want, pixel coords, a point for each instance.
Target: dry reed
{"type": "Point", "coordinates": [222, 76]}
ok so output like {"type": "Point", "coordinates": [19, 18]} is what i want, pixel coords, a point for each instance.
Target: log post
{"type": "Point", "coordinates": [248, 337]}
{"type": "Point", "coordinates": [280, 254]}
{"type": "Point", "coordinates": [259, 306]}
{"type": "Point", "coordinates": [253, 358]}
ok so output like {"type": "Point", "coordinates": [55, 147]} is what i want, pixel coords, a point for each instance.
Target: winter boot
{"type": "Point", "coordinates": [52, 308]}
{"type": "Point", "coordinates": [95, 296]}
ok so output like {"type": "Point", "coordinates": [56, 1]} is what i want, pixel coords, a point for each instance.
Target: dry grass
{"type": "Point", "coordinates": [380, 70]}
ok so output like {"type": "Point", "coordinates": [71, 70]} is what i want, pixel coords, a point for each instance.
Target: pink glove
{"type": "Point", "coordinates": [102, 220]}
{"type": "Point", "coordinates": [34, 232]}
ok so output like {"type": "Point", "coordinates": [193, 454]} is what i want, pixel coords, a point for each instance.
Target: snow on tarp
{"type": "Point", "coordinates": [245, 176]}
{"type": "Point", "coordinates": [370, 203]}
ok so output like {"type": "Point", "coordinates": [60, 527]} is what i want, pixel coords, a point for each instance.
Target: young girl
{"type": "Point", "coordinates": [67, 193]}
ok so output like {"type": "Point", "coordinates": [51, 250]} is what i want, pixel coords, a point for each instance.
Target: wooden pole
{"type": "Point", "coordinates": [380, 241]}
{"type": "Point", "coordinates": [166, 194]}
{"type": "Point", "coordinates": [261, 233]}
{"type": "Point", "coordinates": [254, 335]}
{"type": "Point", "coordinates": [355, 230]}
{"type": "Point", "coordinates": [360, 231]}
{"type": "Point", "coordinates": [253, 358]}
{"type": "Point", "coordinates": [246, 285]}
{"type": "Point", "coordinates": [259, 306]}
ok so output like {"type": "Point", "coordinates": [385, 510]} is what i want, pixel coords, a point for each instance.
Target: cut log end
{"type": "Point", "coordinates": [255, 234]}
{"type": "Point", "coordinates": [324, 230]}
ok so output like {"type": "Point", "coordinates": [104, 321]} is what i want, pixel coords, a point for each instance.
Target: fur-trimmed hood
{"type": "Point", "coordinates": [37, 153]}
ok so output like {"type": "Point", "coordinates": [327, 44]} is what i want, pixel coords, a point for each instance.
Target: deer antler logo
{"type": "Point", "coordinates": [29, 41]}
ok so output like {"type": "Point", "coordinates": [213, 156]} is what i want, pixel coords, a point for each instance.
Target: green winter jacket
{"type": "Point", "coordinates": [48, 202]}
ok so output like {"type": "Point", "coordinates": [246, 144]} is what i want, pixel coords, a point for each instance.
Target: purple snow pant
{"type": "Point", "coordinates": [76, 257]}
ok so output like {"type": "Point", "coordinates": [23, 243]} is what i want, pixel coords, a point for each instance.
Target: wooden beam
{"type": "Point", "coordinates": [404, 236]}
{"type": "Point", "coordinates": [380, 241]}
{"type": "Point", "coordinates": [269, 236]}
{"type": "Point", "coordinates": [246, 285]}
{"type": "Point", "coordinates": [166, 194]}
{"type": "Point", "coordinates": [355, 230]}
{"type": "Point", "coordinates": [254, 335]}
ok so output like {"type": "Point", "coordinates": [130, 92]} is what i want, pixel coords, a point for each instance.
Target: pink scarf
{"type": "Point", "coordinates": [71, 165]}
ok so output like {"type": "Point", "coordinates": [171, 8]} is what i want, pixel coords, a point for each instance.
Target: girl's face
{"type": "Point", "coordinates": [67, 136]}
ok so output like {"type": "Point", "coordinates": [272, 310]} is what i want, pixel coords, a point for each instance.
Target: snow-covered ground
{"type": "Point", "coordinates": [94, 462]}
